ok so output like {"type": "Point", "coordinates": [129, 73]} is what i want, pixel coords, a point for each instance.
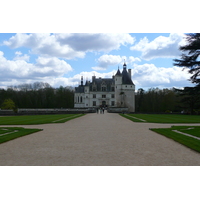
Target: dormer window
{"type": "Point", "coordinates": [103, 88]}
{"type": "Point", "coordinates": [94, 88]}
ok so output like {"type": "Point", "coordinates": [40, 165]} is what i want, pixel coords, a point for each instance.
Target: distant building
{"type": "Point", "coordinates": [115, 92]}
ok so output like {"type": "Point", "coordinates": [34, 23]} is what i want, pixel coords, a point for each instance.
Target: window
{"type": "Point", "coordinates": [94, 88]}
{"type": "Point", "coordinates": [94, 103]}
{"type": "Point", "coordinates": [112, 89]}
{"type": "Point", "coordinates": [103, 88]}
{"type": "Point", "coordinates": [94, 96]}
{"type": "Point", "coordinates": [112, 96]}
{"type": "Point", "coordinates": [103, 96]}
{"type": "Point", "coordinates": [112, 103]}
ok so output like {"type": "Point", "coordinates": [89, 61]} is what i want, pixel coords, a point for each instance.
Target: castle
{"type": "Point", "coordinates": [115, 92]}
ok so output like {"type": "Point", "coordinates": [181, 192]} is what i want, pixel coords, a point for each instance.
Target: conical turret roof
{"type": "Point", "coordinates": [118, 73]}
{"type": "Point", "coordinates": [126, 79]}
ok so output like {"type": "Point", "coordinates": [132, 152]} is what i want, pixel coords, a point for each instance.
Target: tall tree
{"type": "Point", "coordinates": [190, 99]}
{"type": "Point", "coordinates": [190, 56]}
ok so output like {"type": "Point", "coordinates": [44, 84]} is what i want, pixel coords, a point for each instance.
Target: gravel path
{"type": "Point", "coordinates": [97, 140]}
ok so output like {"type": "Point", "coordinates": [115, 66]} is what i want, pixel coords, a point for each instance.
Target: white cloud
{"type": "Point", "coordinates": [148, 75]}
{"type": "Point", "coordinates": [76, 79]}
{"type": "Point", "coordinates": [19, 56]}
{"type": "Point", "coordinates": [20, 39]}
{"type": "Point", "coordinates": [107, 60]}
{"type": "Point", "coordinates": [132, 59]}
{"type": "Point", "coordinates": [69, 46]}
{"type": "Point", "coordinates": [160, 47]}
{"type": "Point", "coordinates": [95, 41]}
{"type": "Point", "coordinates": [43, 44]}
{"type": "Point", "coordinates": [22, 71]}
{"type": "Point", "coordinates": [112, 60]}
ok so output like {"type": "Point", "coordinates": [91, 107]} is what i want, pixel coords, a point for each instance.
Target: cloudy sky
{"type": "Point", "coordinates": [59, 43]}
{"type": "Point", "coordinates": [62, 58]}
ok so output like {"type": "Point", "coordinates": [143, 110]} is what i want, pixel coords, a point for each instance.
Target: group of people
{"type": "Point", "coordinates": [101, 110]}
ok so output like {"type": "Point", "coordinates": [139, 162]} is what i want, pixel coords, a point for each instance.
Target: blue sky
{"type": "Point", "coordinates": [62, 58]}
{"type": "Point", "coordinates": [61, 42]}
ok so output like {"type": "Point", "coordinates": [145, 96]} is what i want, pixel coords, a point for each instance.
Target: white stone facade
{"type": "Point", "coordinates": [118, 91]}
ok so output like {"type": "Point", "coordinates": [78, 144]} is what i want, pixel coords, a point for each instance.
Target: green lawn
{"type": "Point", "coordinates": [192, 130]}
{"type": "Point", "coordinates": [10, 133]}
{"type": "Point", "coordinates": [37, 119]}
{"type": "Point", "coordinates": [183, 139]}
{"type": "Point", "coordinates": [163, 118]}
{"type": "Point", "coordinates": [168, 132]}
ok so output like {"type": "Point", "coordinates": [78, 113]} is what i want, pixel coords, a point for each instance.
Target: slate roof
{"type": "Point", "coordinates": [98, 83]}
{"type": "Point", "coordinates": [126, 79]}
{"type": "Point", "coordinates": [79, 89]}
{"type": "Point", "coordinates": [109, 82]}
{"type": "Point", "coordinates": [118, 73]}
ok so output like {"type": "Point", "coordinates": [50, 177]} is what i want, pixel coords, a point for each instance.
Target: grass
{"type": "Point", "coordinates": [191, 130]}
{"type": "Point", "coordinates": [168, 132]}
{"type": "Point", "coordinates": [37, 119]}
{"type": "Point", "coordinates": [10, 133]}
{"type": "Point", "coordinates": [182, 139]}
{"type": "Point", "coordinates": [163, 118]}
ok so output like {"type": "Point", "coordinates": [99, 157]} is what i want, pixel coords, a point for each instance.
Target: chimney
{"type": "Point", "coordinates": [93, 78]}
{"type": "Point", "coordinates": [129, 72]}
{"type": "Point", "coordinates": [81, 80]}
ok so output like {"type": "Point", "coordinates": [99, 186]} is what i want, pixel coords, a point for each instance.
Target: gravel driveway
{"type": "Point", "coordinates": [97, 140]}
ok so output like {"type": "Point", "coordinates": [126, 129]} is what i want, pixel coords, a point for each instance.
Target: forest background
{"type": "Point", "coordinates": [43, 95]}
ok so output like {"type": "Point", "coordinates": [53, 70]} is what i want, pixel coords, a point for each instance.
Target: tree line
{"type": "Point", "coordinates": [38, 95]}
{"type": "Point", "coordinates": [154, 100]}
{"type": "Point", "coordinates": [173, 100]}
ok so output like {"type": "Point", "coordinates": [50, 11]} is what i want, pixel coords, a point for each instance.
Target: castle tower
{"type": "Point", "coordinates": [118, 88]}
{"type": "Point", "coordinates": [124, 89]}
